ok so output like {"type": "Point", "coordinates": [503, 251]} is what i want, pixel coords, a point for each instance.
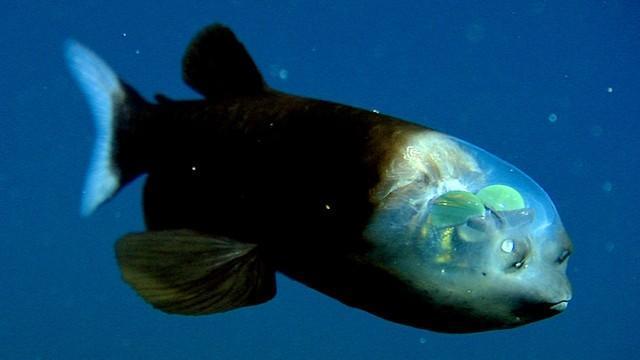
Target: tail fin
{"type": "Point", "coordinates": [117, 110]}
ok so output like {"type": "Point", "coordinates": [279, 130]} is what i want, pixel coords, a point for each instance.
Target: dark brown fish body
{"type": "Point", "coordinates": [267, 160]}
{"type": "Point", "coordinates": [355, 204]}
{"type": "Point", "coordinates": [294, 173]}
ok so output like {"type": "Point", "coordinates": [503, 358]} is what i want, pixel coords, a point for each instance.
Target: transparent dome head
{"type": "Point", "coordinates": [441, 181]}
{"type": "Point", "coordinates": [506, 192]}
{"type": "Point", "coordinates": [472, 231]}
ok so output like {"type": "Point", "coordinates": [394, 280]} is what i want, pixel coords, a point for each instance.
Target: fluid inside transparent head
{"type": "Point", "coordinates": [498, 184]}
{"type": "Point", "coordinates": [494, 211]}
{"type": "Point", "coordinates": [474, 208]}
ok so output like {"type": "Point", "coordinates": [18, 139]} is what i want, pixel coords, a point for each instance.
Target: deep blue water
{"type": "Point", "coordinates": [492, 73]}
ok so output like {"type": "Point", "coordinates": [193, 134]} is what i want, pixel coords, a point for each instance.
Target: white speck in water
{"type": "Point", "coordinates": [422, 340]}
{"type": "Point", "coordinates": [327, 206]}
{"type": "Point", "coordinates": [609, 246]}
{"type": "Point", "coordinates": [124, 34]}
{"type": "Point", "coordinates": [376, 111]}
{"type": "Point", "coordinates": [553, 118]}
{"type": "Point", "coordinates": [609, 89]}
{"type": "Point", "coordinates": [577, 167]}
{"type": "Point", "coordinates": [442, 271]}
{"type": "Point", "coordinates": [607, 186]}
{"type": "Point", "coordinates": [596, 131]}
{"type": "Point", "coordinates": [193, 168]}
{"type": "Point", "coordinates": [475, 32]}
{"type": "Point", "coordinates": [278, 72]}
{"type": "Point", "coordinates": [137, 51]}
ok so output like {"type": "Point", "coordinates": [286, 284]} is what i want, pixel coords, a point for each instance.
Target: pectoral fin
{"type": "Point", "coordinates": [188, 273]}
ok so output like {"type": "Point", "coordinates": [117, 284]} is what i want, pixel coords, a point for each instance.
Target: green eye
{"type": "Point", "coordinates": [501, 198]}
{"type": "Point", "coordinates": [454, 208]}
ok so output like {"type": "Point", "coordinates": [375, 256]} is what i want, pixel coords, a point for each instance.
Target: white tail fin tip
{"type": "Point", "coordinates": [103, 91]}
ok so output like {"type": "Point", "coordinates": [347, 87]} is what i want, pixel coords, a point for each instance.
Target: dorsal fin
{"type": "Point", "coordinates": [217, 65]}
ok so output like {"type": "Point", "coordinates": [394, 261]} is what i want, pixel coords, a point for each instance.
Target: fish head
{"type": "Point", "coordinates": [479, 244]}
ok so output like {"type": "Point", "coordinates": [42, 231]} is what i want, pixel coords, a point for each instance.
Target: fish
{"type": "Point", "coordinates": [385, 215]}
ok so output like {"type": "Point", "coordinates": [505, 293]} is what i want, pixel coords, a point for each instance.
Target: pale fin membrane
{"type": "Point", "coordinates": [103, 90]}
{"type": "Point", "coordinates": [115, 106]}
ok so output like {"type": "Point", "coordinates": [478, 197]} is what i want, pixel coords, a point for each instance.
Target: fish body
{"type": "Point", "coordinates": [385, 215]}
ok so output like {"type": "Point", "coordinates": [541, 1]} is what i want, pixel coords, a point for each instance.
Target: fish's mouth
{"type": "Point", "coordinates": [559, 306]}
{"type": "Point", "coordinates": [542, 310]}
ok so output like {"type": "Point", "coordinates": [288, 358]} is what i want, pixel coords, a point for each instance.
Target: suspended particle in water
{"type": "Point", "coordinates": [596, 130]}
{"type": "Point", "coordinates": [475, 32]}
{"type": "Point", "coordinates": [552, 117]}
{"type": "Point", "coordinates": [609, 246]}
{"type": "Point", "coordinates": [607, 186]}
{"type": "Point", "coordinates": [278, 72]}
{"type": "Point", "coordinates": [609, 89]}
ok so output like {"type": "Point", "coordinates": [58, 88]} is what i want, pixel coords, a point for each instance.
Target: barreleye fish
{"type": "Point", "coordinates": [388, 216]}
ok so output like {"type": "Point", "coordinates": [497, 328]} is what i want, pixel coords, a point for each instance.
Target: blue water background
{"type": "Point", "coordinates": [493, 73]}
